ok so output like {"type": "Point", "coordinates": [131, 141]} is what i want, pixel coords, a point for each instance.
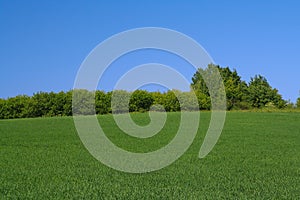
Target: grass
{"type": "Point", "coordinates": [257, 157]}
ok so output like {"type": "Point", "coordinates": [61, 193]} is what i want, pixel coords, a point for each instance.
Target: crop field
{"type": "Point", "coordinates": [256, 157]}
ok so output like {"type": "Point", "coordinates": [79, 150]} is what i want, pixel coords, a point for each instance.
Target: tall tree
{"type": "Point", "coordinates": [140, 101]}
{"type": "Point", "coordinates": [235, 88]}
{"type": "Point", "coordinates": [261, 93]}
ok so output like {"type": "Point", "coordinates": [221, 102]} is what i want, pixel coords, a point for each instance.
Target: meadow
{"type": "Point", "coordinates": [256, 157]}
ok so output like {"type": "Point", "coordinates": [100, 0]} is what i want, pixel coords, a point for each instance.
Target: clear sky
{"type": "Point", "coordinates": [43, 43]}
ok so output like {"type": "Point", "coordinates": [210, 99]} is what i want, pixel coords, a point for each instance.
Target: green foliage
{"type": "Point", "coordinates": [261, 94]}
{"type": "Point", "coordinates": [67, 108]}
{"type": "Point", "coordinates": [140, 101]}
{"type": "Point", "coordinates": [2, 108]}
{"type": "Point", "coordinates": [242, 105]}
{"type": "Point", "coordinates": [102, 101]}
{"type": "Point", "coordinates": [175, 100]}
{"type": "Point", "coordinates": [158, 101]}
{"type": "Point", "coordinates": [258, 94]}
{"type": "Point", "coordinates": [58, 102]}
{"type": "Point", "coordinates": [15, 107]}
{"type": "Point", "coordinates": [257, 157]}
{"type": "Point", "coordinates": [290, 105]}
{"type": "Point", "coordinates": [171, 103]}
{"type": "Point", "coordinates": [239, 95]}
{"type": "Point", "coordinates": [120, 101]}
{"type": "Point", "coordinates": [298, 103]}
{"type": "Point", "coordinates": [83, 102]}
{"type": "Point", "coordinates": [41, 104]}
{"type": "Point", "coordinates": [235, 88]}
{"type": "Point", "coordinates": [204, 100]}
{"type": "Point", "coordinates": [188, 101]}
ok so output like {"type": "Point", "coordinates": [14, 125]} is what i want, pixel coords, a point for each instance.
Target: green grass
{"type": "Point", "coordinates": [257, 157]}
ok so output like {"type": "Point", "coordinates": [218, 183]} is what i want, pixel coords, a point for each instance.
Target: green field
{"type": "Point", "coordinates": [256, 157]}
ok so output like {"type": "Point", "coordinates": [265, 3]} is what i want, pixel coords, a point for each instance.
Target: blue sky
{"type": "Point", "coordinates": [43, 43]}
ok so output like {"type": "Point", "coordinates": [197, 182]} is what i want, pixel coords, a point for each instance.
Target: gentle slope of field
{"type": "Point", "coordinates": [257, 157]}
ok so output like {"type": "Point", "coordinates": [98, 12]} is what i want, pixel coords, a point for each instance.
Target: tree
{"type": "Point", "coordinates": [204, 100]}
{"type": "Point", "coordinates": [290, 105]}
{"type": "Point", "coordinates": [103, 105]}
{"type": "Point", "coordinates": [140, 101]}
{"type": "Point", "coordinates": [83, 102]}
{"type": "Point", "coordinates": [4, 112]}
{"type": "Point", "coordinates": [158, 98]}
{"type": "Point", "coordinates": [171, 103]}
{"type": "Point", "coordinates": [120, 101]}
{"type": "Point", "coordinates": [298, 103]}
{"type": "Point", "coordinates": [67, 110]}
{"type": "Point", "coordinates": [158, 101]}
{"type": "Point", "coordinates": [188, 101]}
{"type": "Point", "coordinates": [235, 88]}
{"type": "Point", "coordinates": [18, 106]}
{"type": "Point", "coordinates": [262, 94]}
{"type": "Point", "coordinates": [56, 102]}
{"type": "Point", "coordinates": [40, 104]}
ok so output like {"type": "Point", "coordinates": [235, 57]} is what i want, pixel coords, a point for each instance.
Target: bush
{"type": "Point", "coordinates": [102, 101]}
{"type": "Point", "coordinates": [140, 101]}
{"type": "Point", "coordinates": [120, 101]}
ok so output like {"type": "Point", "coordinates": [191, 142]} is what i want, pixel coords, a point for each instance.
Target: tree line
{"type": "Point", "coordinates": [256, 94]}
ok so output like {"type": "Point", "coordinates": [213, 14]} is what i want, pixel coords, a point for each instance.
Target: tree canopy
{"type": "Point", "coordinates": [258, 93]}
{"type": "Point", "coordinates": [298, 103]}
{"type": "Point", "coordinates": [240, 95]}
